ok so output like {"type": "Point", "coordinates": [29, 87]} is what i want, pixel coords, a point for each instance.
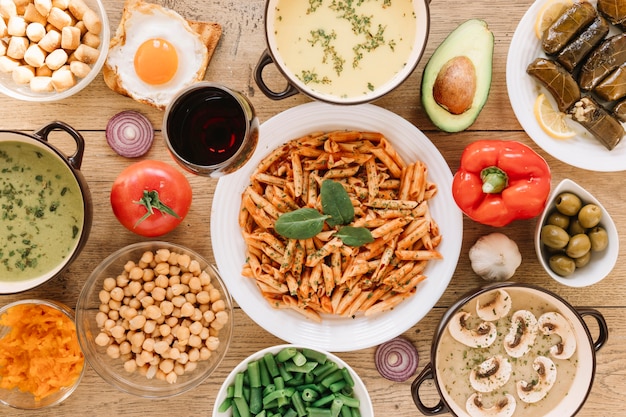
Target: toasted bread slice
{"type": "Point", "coordinates": [209, 33]}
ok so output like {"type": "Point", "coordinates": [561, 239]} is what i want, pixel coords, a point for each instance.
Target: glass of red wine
{"type": "Point", "coordinates": [210, 129]}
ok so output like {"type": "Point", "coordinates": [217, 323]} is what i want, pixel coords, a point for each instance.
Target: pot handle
{"type": "Point", "coordinates": [76, 159]}
{"type": "Point", "coordinates": [439, 408]}
{"type": "Point", "coordinates": [603, 335]}
{"type": "Point", "coordinates": [264, 61]}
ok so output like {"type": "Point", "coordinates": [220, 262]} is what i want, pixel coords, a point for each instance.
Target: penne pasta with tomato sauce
{"type": "Point", "coordinates": [322, 274]}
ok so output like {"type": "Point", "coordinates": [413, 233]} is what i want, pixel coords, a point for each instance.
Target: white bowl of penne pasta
{"type": "Point", "coordinates": [342, 284]}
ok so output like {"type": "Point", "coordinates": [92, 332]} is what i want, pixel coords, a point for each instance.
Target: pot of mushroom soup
{"type": "Point", "coordinates": [333, 51]}
{"type": "Point", "coordinates": [45, 205]}
{"type": "Point", "coordinates": [512, 350]}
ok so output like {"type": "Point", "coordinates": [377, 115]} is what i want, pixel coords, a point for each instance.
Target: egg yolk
{"type": "Point", "coordinates": [156, 61]}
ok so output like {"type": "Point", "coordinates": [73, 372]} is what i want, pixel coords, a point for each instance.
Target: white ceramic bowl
{"type": "Point", "coordinates": [25, 400]}
{"type": "Point", "coordinates": [23, 91]}
{"type": "Point", "coordinates": [112, 370]}
{"type": "Point", "coordinates": [601, 263]}
{"type": "Point", "coordinates": [359, 392]}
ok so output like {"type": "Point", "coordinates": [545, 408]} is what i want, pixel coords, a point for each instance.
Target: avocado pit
{"type": "Point", "coordinates": [455, 85]}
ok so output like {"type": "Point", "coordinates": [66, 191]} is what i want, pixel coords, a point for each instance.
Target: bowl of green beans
{"type": "Point", "coordinates": [290, 381]}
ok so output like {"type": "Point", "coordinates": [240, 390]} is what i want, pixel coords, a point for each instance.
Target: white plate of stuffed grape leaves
{"type": "Point", "coordinates": [583, 150]}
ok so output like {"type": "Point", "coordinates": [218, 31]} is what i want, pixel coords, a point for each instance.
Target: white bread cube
{"type": "Point", "coordinates": [41, 84]}
{"type": "Point", "coordinates": [23, 74]}
{"type": "Point", "coordinates": [16, 26]}
{"type": "Point", "coordinates": [7, 64]}
{"type": "Point", "coordinates": [56, 59]}
{"type": "Point", "coordinates": [35, 56]}
{"type": "Point", "coordinates": [63, 79]}
{"type": "Point", "coordinates": [35, 31]}
{"type": "Point", "coordinates": [17, 47]}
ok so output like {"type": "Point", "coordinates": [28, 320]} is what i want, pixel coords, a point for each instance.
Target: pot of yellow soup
{"type": "Point", "coordinates": [512, 350]}
{"type": "Point", "coordinates": [45, 206]}
{"type": "Point", "coordinates": [342, 52]}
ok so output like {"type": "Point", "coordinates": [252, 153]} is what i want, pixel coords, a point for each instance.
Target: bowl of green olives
{"type": "Point", "coordinates": [576, 239]}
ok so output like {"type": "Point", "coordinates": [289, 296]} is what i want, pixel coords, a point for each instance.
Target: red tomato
{"type": "Point", "coordinates": [150, 198]}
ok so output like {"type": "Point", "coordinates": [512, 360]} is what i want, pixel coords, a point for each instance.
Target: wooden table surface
{"type": "Point", "coordinates": [233, 64]}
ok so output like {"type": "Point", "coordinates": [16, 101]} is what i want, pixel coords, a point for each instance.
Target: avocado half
{"type": "Point", "coordinates": [473, 40]}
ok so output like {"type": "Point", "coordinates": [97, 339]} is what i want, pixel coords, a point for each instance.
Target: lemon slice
{"type": "Point", "coordinates": [548, 13]}
{"type": "Point", "coordinates": [551, 120]}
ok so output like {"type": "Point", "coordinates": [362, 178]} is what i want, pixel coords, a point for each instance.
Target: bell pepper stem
{"type": "Point", "coordinates": [151, 201]}
{"type": "Point", "coordinates": [494, 180]}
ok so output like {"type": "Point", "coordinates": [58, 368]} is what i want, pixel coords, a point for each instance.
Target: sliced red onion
{"type": "Point", "coordinates": [130, 134]}
{"type": "Point", "coordinates": [396, 359]}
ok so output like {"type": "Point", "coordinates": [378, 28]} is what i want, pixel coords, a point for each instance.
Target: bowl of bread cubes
{"type": "Point", "coordinates": [154, 319]}
{"type": "Point", "coordinates": [51, 49]}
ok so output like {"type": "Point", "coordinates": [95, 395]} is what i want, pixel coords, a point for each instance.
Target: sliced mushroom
{"type": "Point", "coordinates": [496, 308]}
{"type": "Point", "coordinates": [491, 374]}
{"type": "Point", "coordinates": [522, 333]}
{"type": "Point", "coordinates": [503, 408]}
{"type": "Point", "coordinates": [483, 336]}
{"type": "Point", "coordinates": [554, 323]}
{"type": "Point", "coordinates": [531, 392]}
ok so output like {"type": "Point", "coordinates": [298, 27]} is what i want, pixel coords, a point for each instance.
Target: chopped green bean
{"type": "Point", "coordinates": [225, 405]}
{"type": "Point", "coordinates": [334, 377]}
{"type": "Point", "coordinates": [349, 401]}
{"type": "Point", "coordinates": [285, 354]}
{"type": "Point", "coordinates": [338, 386]}
{"type": "Point", "coordinates": [299, 358]}
{"type": "Point", "coordinates": [256, 399]}
{"type": "Point", "coordinates": [242, 406]}
{"type": "Point", "coordinates": [335, 407]}
{"type": "Point", "coordinates": [254, 374]}
{"type": "Point", "coordinates": [310, 395]}
{"type": "Point", "coordinates": [270, 362]}
{"type": "Point", "coordinates": [324, 370]}
{"type": "Point", "coordinates": [238, 385]}
{"type": "Point", "coordinates": [284, 372]}
{"type": "Point", "coordinates": [324, 400]}
{"type": "Point", "coordinates": [290, 413]}
{"type": "Point", "coordinates": [265, 375]}
{"type": "Point", "coordinates": [347, 377]}
{"type": "Point", "coordinates": [345, 411]}
{"type": "Point", "coordinates": [314, 355]}
{"type": "Point", "coordinates": [318, 412]}
{"type": "Point", "coordinates": [298, 404]}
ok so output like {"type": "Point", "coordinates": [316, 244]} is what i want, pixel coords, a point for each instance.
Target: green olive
{"type": "Point", "coordinates": [554, 236]}
{"type": "Point", "coordinates": [562, 265]}
{"type": "Point", "coordinates": [568, 203]}
{"type": "Point", "coordinates": [599, 239]}
{"type": "Point", "coordinates": [589, 216]}
{"type": "Point", "coordinates": [578, 245]}
{"type": "Point", "coordinates": [558, 219]}
{"type": "Point", "coordinates": [583, 260]}
{"type": "Point", "coordinates": [575, 227]}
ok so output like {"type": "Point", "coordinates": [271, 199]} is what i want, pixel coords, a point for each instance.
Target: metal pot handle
{"type": "Point", "coordinates": [603, 335]}
{"type": "Point", "coordinates": [439, 408]}
{"type": "Point", "coordinates": [76, 159]}
{"type": "Point", "coordinates": [264, 61]}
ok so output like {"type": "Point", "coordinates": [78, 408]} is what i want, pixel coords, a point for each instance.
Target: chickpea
{"type": "Point", "coordinates": [135, 273]}
{"type": "Point", "coordinates": [137, 322]}
{"type": "Point", "coordinates": [165, 330]}
{"type": "Point", "coordinates": [102, 339]}
{"type": "Point", "coordinates": [104, 296]}
{"type": "Point", "coordinates": [171, 377]}
{"type": "Point", "coordinates": [130, 366]}
{"type": "Point", "coordinates": [162, 281]}
{"type": "Point", "coordinates": [162, 268]}
{"type": "Point", "coordinates": [109, 284]}
{"type": "Point", "coordinates": [150, 326]}
{"type": "Point", "coordinates": [113, 351]}
{"type": "Point", "coordinates": [187, 309]}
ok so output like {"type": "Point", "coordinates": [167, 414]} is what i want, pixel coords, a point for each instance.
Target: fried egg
{"type": "Point", "coordinates": [155, 53]}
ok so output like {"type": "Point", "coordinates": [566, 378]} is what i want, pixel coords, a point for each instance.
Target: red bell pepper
{"type": "Point", "coordinates": [501, 181]}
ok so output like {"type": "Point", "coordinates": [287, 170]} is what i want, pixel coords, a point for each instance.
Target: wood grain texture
{"type": "Point", "coordinates": [233, 64]}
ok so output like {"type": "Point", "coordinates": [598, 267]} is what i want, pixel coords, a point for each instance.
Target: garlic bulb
{"type": "Point", "coordinates": [495, 257]}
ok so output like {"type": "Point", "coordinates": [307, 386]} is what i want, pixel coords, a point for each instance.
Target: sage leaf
{"type": "Point", "coordinates": [354, 236]}
{"type": "Point", "coordinates": [336, 203]}
{"type": "Point", "coordinates": [303, 223]}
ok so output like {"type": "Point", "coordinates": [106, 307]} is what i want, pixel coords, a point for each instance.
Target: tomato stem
{"type": "Point", "coordinates": [494, 179]}
{"type": "Point", "coordinates": [151, 201]}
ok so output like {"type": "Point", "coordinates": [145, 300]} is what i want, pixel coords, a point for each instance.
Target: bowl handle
{"type": "Point", "coordinates": [264, 61]}
{"type": "Point", "coordinates": [76, 159]}
{"type": "Point", "coordinates": [603, 335]}
{"type": "Point", "coordinates": [439, 408]}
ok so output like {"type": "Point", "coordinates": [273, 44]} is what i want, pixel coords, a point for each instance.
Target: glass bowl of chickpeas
{"type": "Point", "coordinates": [154, 319]}
{"type": "Point", "coordinates": [576, 240]}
